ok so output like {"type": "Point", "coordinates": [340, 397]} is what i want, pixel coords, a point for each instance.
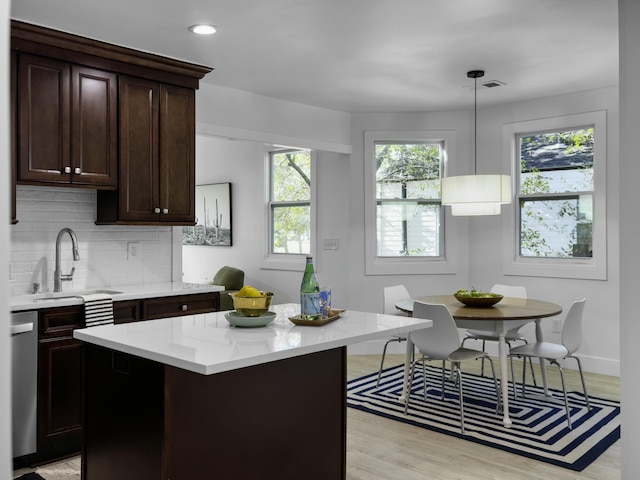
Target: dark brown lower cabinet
{"type": "Point", "coordinates": [59, 397]}
{"type": "Point", "coordinates": [282, 420]}
{"type": "Point", "coordinates": [60, 365]}
{"type": "Point", "coordinates": [59, 382]}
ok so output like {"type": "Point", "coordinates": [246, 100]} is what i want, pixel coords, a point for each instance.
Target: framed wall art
{"type": "Point", "coordinates": [213, 217]}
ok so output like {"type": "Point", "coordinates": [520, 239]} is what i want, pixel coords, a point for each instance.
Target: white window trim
{"type": "Point", "coordinates": [286, 261]}
{"type": "Point", "coordinates": [374, 265]}
{"type": "Point", "coordinates": [594, 268]}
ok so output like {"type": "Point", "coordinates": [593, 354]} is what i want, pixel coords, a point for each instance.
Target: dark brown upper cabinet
{"type": "Point", "coordinates": [97, 115]}
{"type": "Point", "coordinates": [67, 123]}
{"type": "Point", "coordinates": [157, 156]}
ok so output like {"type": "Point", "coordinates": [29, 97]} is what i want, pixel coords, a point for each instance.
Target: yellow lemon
{"type": "Point", "coordinates": [249, 291]}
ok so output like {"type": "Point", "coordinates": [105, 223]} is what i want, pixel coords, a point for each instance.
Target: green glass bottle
{"type": "Point", "coordinates": [309, 293]}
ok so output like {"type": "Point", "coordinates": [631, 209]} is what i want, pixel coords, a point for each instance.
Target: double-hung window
{"type": "Point", "coordinates": [555, 194]}
{"type": "Point", "coordinates": [409, 212]}
{"type": "Point", "coordinates": [404, 214]}
{"type": "Point", "coordinates": [559, 222]}
{"type": "Point", "coordinates": [290, 202]}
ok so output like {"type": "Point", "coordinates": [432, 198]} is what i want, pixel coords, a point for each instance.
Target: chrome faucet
{"type": "Point", "coordinates": [58, 277]}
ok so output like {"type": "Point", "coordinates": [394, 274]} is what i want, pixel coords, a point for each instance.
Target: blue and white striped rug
{"type": "Point", "coordinates": [539, 428]}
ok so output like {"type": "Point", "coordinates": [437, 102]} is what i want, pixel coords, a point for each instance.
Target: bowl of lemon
{"type": "Point", "coordinates": [475, 298]}
{"type": "Point", "coordinates": [251, 302]}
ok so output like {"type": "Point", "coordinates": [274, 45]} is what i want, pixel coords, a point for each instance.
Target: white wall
{"type": "Point", "coordinates": [366, 290]}
{"type": "Point", "coordinates": [477, 243]}
{"type": "Point", "coordinates": [629, 18]}
{"type": "Point", "coordinates": [230, 113]}
{"type": "Point", "coordinates": [242, 164]}
{"type": "Point", "coordinates": [600, 348]}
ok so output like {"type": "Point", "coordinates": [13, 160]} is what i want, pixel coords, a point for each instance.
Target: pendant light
{"type": "Point", "coordinates": [476, 194]}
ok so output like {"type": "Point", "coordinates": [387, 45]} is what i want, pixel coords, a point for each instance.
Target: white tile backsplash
{"type": "Point", "coordinates": [43, 211]}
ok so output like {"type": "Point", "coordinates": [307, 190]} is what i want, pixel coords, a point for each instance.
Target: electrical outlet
{"type": "Point", "coordinates": [132, 250]}
{"type": "Point", "coordinates": [331, 244]}
{"type": "Point", "coordinates": [557, 325]}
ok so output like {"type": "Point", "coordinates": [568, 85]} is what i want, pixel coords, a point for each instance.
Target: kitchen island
{"type": "Point", "coordinates": [193, 398]}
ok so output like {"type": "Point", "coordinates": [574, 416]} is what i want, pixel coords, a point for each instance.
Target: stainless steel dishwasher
{"type": "Point", "coordinates": [24, 376]}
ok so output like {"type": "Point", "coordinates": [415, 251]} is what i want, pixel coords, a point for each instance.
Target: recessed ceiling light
{"type": "Point", "coordinates": [203, 29]}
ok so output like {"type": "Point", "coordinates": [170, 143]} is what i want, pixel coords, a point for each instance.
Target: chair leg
{"type": "Point", "coordinates": [460, 397]}
{"type": "Point", "coordinates": [384, 354]}
{"type": "Point", "coordinates": [584, 385]}
{"type": "Point", "coordinates": [412, 369]}
{"type": "Point", "coordinates": [424, 379]}
{"type": "Point", "coordinates": [482, 364]}
{"type": "Point", "coordinates": [443, 368]}
{"type": "Point", "coordinates": [513, 381]}
{"type": "Point", "coordinates": [524, 376]}
{"type": "Point", "coordinates": [564, 391]}
{"type": "Point", "coordinates": [495, 384]}
{"type": "Point", "coordinates": [533, 373]}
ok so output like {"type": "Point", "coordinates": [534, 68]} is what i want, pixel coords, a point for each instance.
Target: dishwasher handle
{"type": "Point", "coordinates": [21, 328]}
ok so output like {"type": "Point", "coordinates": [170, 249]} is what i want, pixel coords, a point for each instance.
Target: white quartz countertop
{"type": "Point", "coordinates": [208, 344]}
{"type": "Point", "coordinates": [123, 292]}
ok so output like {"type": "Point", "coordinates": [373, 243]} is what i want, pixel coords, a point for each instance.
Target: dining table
{"type": "Point", "coordinates": [501, 317]}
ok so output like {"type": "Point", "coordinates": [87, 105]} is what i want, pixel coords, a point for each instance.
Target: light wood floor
{"type": "Point", "coordinates": [383, 449]}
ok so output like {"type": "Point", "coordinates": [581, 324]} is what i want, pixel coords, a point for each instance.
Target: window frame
{"type": "Point", "coordinates": [594, 267]}
{"type": "Point", "coordinates": [287, 261]}
{"type": "Point", "coordinates": [447, 261]}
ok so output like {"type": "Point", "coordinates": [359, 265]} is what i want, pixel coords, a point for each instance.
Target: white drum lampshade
{"type": "Point", "coordinates": [476, 194]}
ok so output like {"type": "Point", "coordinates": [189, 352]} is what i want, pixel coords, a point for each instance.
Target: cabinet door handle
{"type": "Point", "coordinates": [67, 169]}
{"type": "Point", "coordinates": [77, 170]}
{"type": "Point", "coordinates": [184, 308]}
{"type": "Point", "coordinates": [165, 210]}
{"type": "Point", "coordinates": [156, 210]}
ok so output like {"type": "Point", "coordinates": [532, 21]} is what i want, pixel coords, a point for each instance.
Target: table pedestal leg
{"type": "Point", "coordinates": [504, 380]}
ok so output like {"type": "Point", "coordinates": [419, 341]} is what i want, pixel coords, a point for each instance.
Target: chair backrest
{"type": "Point", "coordinates": [442, 338]}
{"type": "Point", "coordinates": [391, 295]}
{"type": "Point", "coordinates": [513, 291]}
{"type": "Point", "coordinates": [572, 327]}
{"type": "Point", "coordinates": [230, 278]}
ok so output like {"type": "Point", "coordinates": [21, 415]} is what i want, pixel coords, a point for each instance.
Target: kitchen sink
{"type": "Point", "coordinates": [53, 296]}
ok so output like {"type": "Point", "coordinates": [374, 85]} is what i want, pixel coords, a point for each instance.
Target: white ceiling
{"type": "Point", "coordinates": [365, 55]}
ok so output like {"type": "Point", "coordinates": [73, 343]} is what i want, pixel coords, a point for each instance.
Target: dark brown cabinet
{"type": "Point", "coordinates": [59, 382]}
{"type": "Point", "coordinates": [157, 156]}
{"type": "Point", "coordinates": [177, 306]}
{"type": "Point", "coordinates": [126, 311]}
{"type": "Point", "coordinates": [149, 421]}
{"type": "Point", "coordinates": [60, 377]}
{"type": "Point", "coordinates": [67, 123]}
{"type": "Point", "coordinates": [96, 115]}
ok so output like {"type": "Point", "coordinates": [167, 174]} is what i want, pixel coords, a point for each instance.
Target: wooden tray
{"type": "Point", "coordinates": [334, 315]}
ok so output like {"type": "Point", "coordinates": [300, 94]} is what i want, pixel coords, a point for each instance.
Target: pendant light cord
{"type": "Point", "coordinates": [475, 126]}
{"type": "Point", "coordinates": [475, 74]}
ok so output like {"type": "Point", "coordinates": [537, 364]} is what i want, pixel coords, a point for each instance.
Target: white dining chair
{"type": "Point", "coordinates": [571, 339]}
{"type": "Point", "coordinates": [390, 296]}
{"type": "Point", "coordinates": [441, 342]}
{"type": "Point", "coordinates": [513, 335]}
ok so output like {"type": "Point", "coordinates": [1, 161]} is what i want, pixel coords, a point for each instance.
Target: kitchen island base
{"type": "Point", "coordinates": [284, 419]}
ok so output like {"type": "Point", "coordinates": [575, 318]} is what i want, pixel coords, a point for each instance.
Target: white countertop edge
{"type": "Point", "coordinates": [100, 336]}
{"type": "Point", "coordinates": [128, 292]}
{"type": "Point", "coordinates": [202, 369]}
